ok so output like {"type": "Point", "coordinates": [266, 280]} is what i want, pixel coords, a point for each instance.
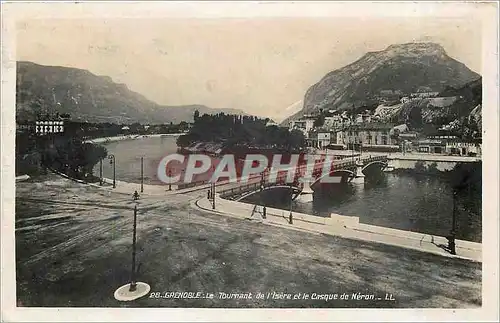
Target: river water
{"type": "Point", "coordinates": [401, 201]}
{"type": "Point", "coordinates": [128, 155]}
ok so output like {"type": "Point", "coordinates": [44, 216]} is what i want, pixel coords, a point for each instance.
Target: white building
{"type": "Point", "coordinates": [304, 124]}
{"type": "Point", "coordinates": [333, 121]}
{"type": "Point", "coordinates": [320, 139]}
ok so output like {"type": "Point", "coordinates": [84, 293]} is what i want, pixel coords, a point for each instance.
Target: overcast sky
{"type": "Point", "coordinates": [259, 65]}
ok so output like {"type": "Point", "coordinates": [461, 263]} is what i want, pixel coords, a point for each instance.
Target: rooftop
{"type": "Point", "coordinates": [372, 126]}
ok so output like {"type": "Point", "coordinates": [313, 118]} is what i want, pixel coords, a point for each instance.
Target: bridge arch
{"type": "Point", "coordinates": [295, 189]}
{"type": "Point", "coordinates": [379, 162]}
{"type": "Point", "coordinates": [342, 171]}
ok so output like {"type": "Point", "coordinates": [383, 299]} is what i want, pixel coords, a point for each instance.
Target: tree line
{"type": "Point", "coordinates": [237, 130]}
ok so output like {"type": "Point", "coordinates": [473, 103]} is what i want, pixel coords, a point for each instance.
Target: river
{"type": "Point", "coordinates": [128, 155]}
{"type": "Point", "coordinates": [401, 201]}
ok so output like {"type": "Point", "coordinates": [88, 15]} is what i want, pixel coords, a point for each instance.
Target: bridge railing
{"type": "Point", "coordinates": [280, 180]}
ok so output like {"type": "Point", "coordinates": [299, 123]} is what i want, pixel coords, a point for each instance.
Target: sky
{"type": "Point", "coordinates": [262, 66]}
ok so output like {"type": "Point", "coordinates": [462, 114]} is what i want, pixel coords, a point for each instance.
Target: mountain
{"type": "Point", "coordinates": [450, 104]}
{"type": "Point", "coordinates": [400, 69]}
{"type": "Point", "coordinates": [92, 98]}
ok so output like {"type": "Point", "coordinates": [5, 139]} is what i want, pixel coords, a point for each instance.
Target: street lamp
{"type": "Point", "coordinates": [133, 284]}
{"type": "Point", "coordinates": [213, 187]}
{"type": "Point", "coordinates": [169, 182]}
{"type": "Point", "coordinates": [290, 217]}
{"type": "Point", "coordinates": [360, 149]}
{"type": "Point", "coordinates": [134, 289]}
{"type": "Point", "coordinates": [112, 161]}
{"type": "Point", "coordinates": [451, 237]}
{"type": "Point", "coordinates": [142, 174]}
{"type": "Point", "coordinates": [352, 148]}
{"type": "Point", "coordinates": [100, 172]}
{"type": "Point", "coordinates": [213, 195]}
{"type": "Point", "coordinates": [262, 182]}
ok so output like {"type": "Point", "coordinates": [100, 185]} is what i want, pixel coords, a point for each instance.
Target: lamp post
{"type": "Point", "coordinates": [142, 174]}
{"type": "Point", "coordinates": [133, 285]}
{"type": "Point", "coordinates": [262, 182]}
{"type": "Point", "coordinates": [213, 187]}
{"type": "Point", "coordinates": [290, 217]}
{"type": "Point", "coordinates": [352, 148]}
{"type": "Point", "coordinates": [213, 195]}
{"type": "Point", "coordinates": [360, 149]}
{"type": "Point", "coordinates": [100, 172]}
{"type": "Point", "coordinates": [134, 289]}
{"type": "Point", "coordinates": [112, 161]}
{"type": "Point", "coordinates": [169, 182]}
{"type": "Point", "coordinates": [451, 238]}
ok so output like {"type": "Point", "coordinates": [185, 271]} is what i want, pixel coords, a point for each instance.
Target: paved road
{"type": "Point", "coordinates": [73, 249]}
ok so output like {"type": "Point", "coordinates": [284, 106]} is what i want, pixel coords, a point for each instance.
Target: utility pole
{"type": "Point", "coordinates": [142, 174]}
{"type": "Point", "coordinates": [133, 285]}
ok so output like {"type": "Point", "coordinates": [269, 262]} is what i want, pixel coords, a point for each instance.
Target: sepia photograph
{"type": "Point", "coordinates": [314, 157]}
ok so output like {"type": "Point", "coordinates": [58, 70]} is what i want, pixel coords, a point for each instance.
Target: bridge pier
{"type": "Point", "coordinates": [390, 166]}
{"type": "Point", "coordinates": [306, 194]}
{"type": "Point", "coordinates": [359, 177]}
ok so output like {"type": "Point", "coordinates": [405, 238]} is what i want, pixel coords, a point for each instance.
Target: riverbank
{"type": "Point", "coordinates": [129, 137]}
{"type": "Point", "coordinates": [345, 227]}
{"type": "Point", "coordinates": [399, 155]}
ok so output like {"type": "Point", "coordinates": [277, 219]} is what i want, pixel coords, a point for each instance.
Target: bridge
{"type": "Point", "coordinates": [345, 170]}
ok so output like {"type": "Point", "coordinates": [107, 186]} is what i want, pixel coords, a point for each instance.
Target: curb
{"type": "Point", "coordinates": [264, 221]}
{"type": "Point", "coordinates": [79, 181]}
{"type": "Point", "coordinates": [436, 252]}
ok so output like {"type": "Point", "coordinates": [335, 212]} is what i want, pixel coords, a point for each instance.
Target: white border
{"type": "Point", "coordinates": [488, 11]}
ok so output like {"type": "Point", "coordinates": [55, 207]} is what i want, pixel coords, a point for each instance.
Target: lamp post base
{"type": "Point", "coordinates": [125, 295]}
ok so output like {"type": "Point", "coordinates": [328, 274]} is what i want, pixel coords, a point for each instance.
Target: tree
{"type": "Point", "coordinates": [319, 121]}
{"type": "Point", "coordinates": [196, 115]}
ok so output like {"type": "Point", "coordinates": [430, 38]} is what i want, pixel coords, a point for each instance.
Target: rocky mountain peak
{"type": "Point", "coordinates": [413, 50]}
{"type": "Point", "coordinates": [401, 68]}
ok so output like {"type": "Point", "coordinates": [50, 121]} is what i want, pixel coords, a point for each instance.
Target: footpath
{"type": "Point", "coordinates": [343, 226]}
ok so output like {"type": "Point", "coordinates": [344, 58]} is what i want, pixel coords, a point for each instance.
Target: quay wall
{"type": "Point", "coordinates": [334, 221]}
{"type": "Point", "coordinates": [440, 163]}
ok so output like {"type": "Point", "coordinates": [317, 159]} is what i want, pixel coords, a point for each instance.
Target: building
{"type": "Point", "coordinates": [432, 146]}
{"type": "Point", "coordinates": [423, 95]}
{"type": "Point", "coordinates": [362, 118]}
{"type": "Point", "coordinates": [320, 138]}
{"type": "Point", "coordinates": [449, 145]}
{"type": "Point", "coordinates": [333, 122]}
{"type": "Point", "coordinates": [463, 148]}
{"type": "Point", "coordinates": [367, 134]}
{"type": "Point", "coordinates": [304, 124]}
{"type": "Point", "coordinates": [271, 123]}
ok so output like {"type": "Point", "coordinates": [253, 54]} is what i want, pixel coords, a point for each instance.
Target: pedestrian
{"type": "Point", "coordinates": [136, 196]}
